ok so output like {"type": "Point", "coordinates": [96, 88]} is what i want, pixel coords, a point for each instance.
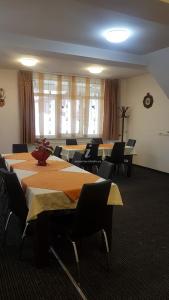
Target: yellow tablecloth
{"type": "Point", "coordinates": [55, 186]}
{"type": "Point", "coordinates": [104, 149]}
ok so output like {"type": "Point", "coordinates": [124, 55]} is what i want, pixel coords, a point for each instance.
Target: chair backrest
{"type": "Point", "coordinates": [105, 170]}
{"type": "Point", "coordinates": [117, 154]}
{"type": "Point", "coordinates": [131, 143]}
{"type": "Point", "coordinates": [77, 159]}
{"type": "Point", "coordinates": [71, 142]}
{"type": "Point", "coordinates": [91, 151]}
{"type": "Point", "coordinates": [18, 148]}
{"type": "Point", "coordinates": [91, 208]}
{"type": "Point", "coordinates": [16, 197]}
{"type": "Point", "coordinates": [97, 141]}
{"type": "Point", "coordinates": [57, 151]}
{"type": "Point", "coordinates": [2, 163]}
{"type": "Point", "coordinates": [3, 196]}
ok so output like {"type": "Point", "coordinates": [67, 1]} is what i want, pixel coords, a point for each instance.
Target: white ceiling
{"type": "Point", "coordinates": [67, 36]}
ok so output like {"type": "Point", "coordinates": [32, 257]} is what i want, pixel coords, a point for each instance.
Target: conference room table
{"type": "Point", "coordinates": [53, 187]}
{"type": "Point", "coordinates": [103, 151]}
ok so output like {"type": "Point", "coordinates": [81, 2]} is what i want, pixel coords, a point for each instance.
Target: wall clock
{"type": "Point", "coordinates": [2, 97]}
{"type": "Point", "coordinates": [148, 101]}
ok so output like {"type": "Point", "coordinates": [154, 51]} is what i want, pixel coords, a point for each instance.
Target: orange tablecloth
{"type": "Point", "coordinates": [32, 166]}
{"type": "Point", "coordinates": [70, 184]}
{"type": "Point", "coordinates": [82, 147]}
{"type": "Point", "coordinates": [55, 186]}
{"type": "Point", "coordinates": [20, 156]}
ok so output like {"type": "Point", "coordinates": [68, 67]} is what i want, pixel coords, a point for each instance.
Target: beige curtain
{"type": "Point", "coordinates": [26, 105]}
{"type": "Point", "coordinates": [110, 122]}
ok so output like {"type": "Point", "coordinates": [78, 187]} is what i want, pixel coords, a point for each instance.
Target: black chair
{"type": "Point", "coordinates": [117, 155]}
{"type": "Point", "coordinates": [19, 148]}
{"type": "Point", "coordinates": [16, 199]}
{"type": "Point", "coordinates": [90, 157]}
{"type": "Point", "coordinates": [131, 143]}
{"type": "Point", "coordinates": [129, 158]}
{"type": "Point", "coordinates": [3, 201]}
{"type": "Point", "coordinates": [71, 142]}
{"type": "Point", "coordinates": [91, 151]}
{"type": "Point", "coordinates": [105, 170]}
{"type": "Point", "coordinates": [97, 141]}
{"type": "Point", "coordinates": [2, 163]}
{"type": "Point", "coordinates": [57, 151]}
{"type": "Point", "coordinates": [88, 217]}
{"type": "Point", "coordinates": [77, 159]}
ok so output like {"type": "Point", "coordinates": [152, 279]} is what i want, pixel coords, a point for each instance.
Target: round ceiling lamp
{"type": "Point", "coordinates": [95, 69]}
{"type": "Point", "coordinates": [28, 61]}
{"type": "Point", "coordinates": [117, 35]}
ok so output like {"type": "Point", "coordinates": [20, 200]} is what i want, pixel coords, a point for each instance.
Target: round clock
{"type": "Point", "coordinates": [148, 101]}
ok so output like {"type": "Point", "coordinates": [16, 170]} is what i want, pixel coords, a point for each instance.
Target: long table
{"type": "Point", "coordinates": [56, 186]}
{"type": "Point", "coordinates": [104, 150]}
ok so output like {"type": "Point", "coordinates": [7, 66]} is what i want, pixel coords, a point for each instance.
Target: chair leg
{"type": "Point", "coordinates": [7, 220]}
{"type": "Point", "coordinates": [77, 260]}
{"type": "Point", "coordinates": [6, 227]}
{"type": "Point", "coordinates": [107, 248]}
{"type": "Point", "coordinates": [123, 166]}
{"type": "Point", "coordinates": [22, 240]}
{"type": "Point", "coordinates": [115, 169]}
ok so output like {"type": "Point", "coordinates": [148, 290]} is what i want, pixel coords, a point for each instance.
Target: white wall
{"type": "Point", "coordinates": [9, 114]}
{"type": "Point", "coordinates": [145, 124]}
{"type": "Point", "coordinates": [158, 66]}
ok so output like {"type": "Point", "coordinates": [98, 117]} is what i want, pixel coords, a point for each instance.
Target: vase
{"type": "Point", "coordinates": [41, 157]}
{"type": "Point", "coordinates": [41, 163]}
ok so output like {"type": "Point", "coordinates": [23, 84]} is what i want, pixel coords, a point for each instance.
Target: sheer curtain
{"type": "Point", "coordinates": [26, 105]}
{"type": "Point", "coordinates": [68, 106]}
{"type": "Point", "coordinates": [110, 123]}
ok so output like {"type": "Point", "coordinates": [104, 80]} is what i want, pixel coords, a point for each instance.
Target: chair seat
{"type": "Point", "coordinates": [105, 170]}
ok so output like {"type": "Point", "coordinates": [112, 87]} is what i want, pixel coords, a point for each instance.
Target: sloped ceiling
{"type": "Point", "coordinates": [67, 36]}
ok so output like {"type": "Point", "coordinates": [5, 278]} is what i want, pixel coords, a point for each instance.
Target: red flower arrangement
{"type": "Point", "coordinates": [42, 152]}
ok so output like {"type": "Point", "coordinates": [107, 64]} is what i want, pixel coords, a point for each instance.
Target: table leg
{"type": "Point", "coordinates": [41, 243]}
{"type": "Point", "coordinates": [129, 164]}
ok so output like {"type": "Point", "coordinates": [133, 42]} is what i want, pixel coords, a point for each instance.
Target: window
{"type": "Point", "coordinates": [68, 106]}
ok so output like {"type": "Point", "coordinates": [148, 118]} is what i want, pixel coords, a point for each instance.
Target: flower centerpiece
{"type": "Point", "coordinates": [42, 152]}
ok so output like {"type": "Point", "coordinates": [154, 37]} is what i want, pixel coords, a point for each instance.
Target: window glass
{"type": "Point", "coordinates": [67, 105]}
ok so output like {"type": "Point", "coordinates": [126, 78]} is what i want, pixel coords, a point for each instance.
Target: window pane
{"type": "Point", "coordinates": [93, 117]}
{"type": "Point", "coordinates": [49, 117]}
{"type": "Point", "coordinates": [67, 105]}
{"type": "Point", "coordinates": [77, 130]}
{"type": "Point", "coordinates": [37, 131]}
{"type": "Point", "coordinates": [65, 119]}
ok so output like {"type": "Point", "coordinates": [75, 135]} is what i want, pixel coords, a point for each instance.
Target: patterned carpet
{"type": "Point", "coordinates": [139, 258]}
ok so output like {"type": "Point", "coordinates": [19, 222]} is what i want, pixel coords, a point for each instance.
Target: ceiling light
{"type": "Point", "coordinates": [95, 69]}
{"type": "Point", "coordinates": [28, 61]}
{"type": "Point", "coordinates": [117, 35]}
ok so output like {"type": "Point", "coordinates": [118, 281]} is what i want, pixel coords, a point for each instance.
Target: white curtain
{"type": "Point", "coordinates": [68, 106]}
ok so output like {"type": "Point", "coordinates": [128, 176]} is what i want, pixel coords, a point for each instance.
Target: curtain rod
{"type": "Point", "coordinates": [69, 74]}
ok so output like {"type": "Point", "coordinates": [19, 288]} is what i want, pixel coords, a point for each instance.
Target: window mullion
{"type": "Point", "coordinates": [73, 105]}
{"type": "Point", "coordinates": [58, 106]}
{"type": "Point", "coordinates": [41, 104]}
